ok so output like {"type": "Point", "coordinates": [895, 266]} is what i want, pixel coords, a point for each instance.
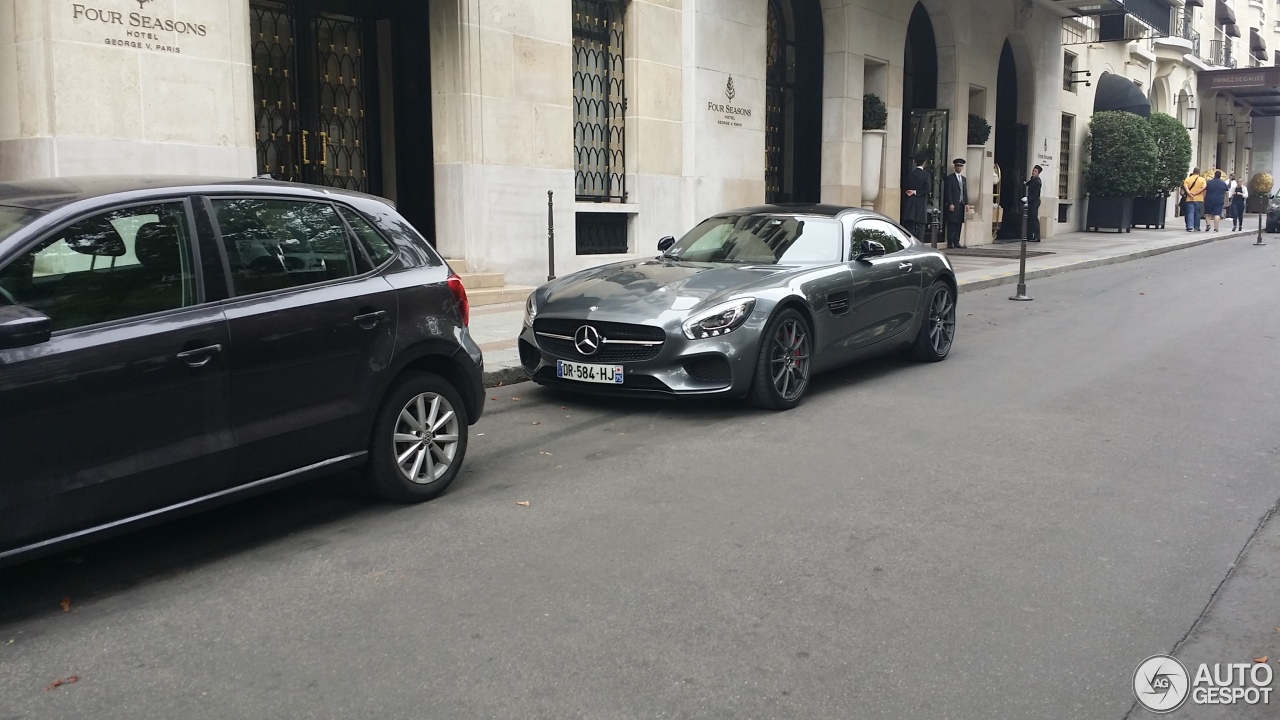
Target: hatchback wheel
{"type": "Point", "coordinates": [419, 439]}
{"type": "Point", "coordinates": [938, 331]}
{"type": "Point", "coordinates": [782, 370]}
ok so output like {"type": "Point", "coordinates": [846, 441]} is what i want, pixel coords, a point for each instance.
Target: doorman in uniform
{"type": "Point", "coordinates": [917, 194]}
{"type": "Point", "coordinates": [955, 196]}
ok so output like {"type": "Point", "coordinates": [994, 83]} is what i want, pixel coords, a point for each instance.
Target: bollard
{"type": "Point", "coordinates": [551, 237]}
{"type": "Point", "coordinates": [1259, 242]}
{"type": "Point", "coordinates": [1022, 262]}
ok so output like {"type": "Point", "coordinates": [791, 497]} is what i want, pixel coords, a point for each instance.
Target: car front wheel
{"type": "Point", "coordinates": [419, 439]}
{"type": "Point", "coordinates": [782, 370]}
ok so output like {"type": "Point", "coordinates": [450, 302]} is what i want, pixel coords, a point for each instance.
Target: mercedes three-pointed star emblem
{"type": "Point", "coordinates": [587, 339]}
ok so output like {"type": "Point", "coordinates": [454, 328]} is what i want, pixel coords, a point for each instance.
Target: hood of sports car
{"type": "Point", "coordinates": [649, 289]}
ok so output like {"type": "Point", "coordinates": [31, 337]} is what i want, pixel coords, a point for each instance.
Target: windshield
{"type": "Point", "coordinates": [13, 219]}
{"type": "Point", "coordinates": [764, 239]}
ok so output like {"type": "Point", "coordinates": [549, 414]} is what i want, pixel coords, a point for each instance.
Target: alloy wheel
{"type": "Point", "coordinates": [426, 438]}
{"type": "Point", "coordinates": [942, 321]}
{"type": "Point", "coordinates": [789, 359]}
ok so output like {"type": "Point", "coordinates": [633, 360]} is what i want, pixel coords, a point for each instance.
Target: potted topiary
{"type": "Point", "coordinates": [976, 154]}
{"type": "Point", "coordinates": [875, 118]}
{"type": "Point", "coordinates": [1122, 158]}
{"type": "Point", "coordinates": [1173, 160]}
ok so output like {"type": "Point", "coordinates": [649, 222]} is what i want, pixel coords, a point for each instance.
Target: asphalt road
{"type": "Point", "coordinates": [1002, 535]}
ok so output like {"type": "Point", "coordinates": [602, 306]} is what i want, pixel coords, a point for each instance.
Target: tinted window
{"type": "Point", "coordinates": [880, 231]}
{"type": "Point", "coordinates": [760, 239]}
{"type": "Point", "coordinates": [111, 266]}
{"type": "Point", "coordinates": [13, 219]}
{"type": "Point", "coordinates": [379, 249]}
{"type": "Point", "coordinates": [275, 244]}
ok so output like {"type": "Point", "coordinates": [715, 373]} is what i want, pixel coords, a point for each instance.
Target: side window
{"type": "Point", "coordinates": [278, 244]}
{"type": "Point", "coordinates": [379, 249]}
{"type": "Point", "coordinates": [111, 266]}
{"type": "Point", "coordinates": [879, 231]}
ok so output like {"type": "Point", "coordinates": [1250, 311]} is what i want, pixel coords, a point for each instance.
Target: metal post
{"type": "Point", "coordinates": [551, 237]}
{"type": "Point", "coordinates": [1260, 216]}
{"type": "Point", "coordinates": [1022, 263]}
{"type": "Point", "coordinates": [934, 220]}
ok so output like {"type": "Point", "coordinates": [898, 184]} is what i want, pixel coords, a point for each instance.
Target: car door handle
{"type": "Point", "coordinates": [369, 321]}
{"type": "Point", "coordinates": [904, 266]}
{"type": "Point", "coordinates": [200, 356]}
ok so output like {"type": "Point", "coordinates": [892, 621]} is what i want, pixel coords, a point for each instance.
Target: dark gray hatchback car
{"type": "Point", "coordinates": [168, 344]}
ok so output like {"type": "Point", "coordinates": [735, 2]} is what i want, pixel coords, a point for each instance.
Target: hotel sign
{"type": "Point", "coordinates": [137, 28]}
{"type": "Point", "coordinates": [731, 115]}
{"type": "Point", "coordinates": [1252, 77]}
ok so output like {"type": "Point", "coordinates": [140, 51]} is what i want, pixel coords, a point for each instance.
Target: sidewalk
{"type": "Point", "coordinates": [495, 327]}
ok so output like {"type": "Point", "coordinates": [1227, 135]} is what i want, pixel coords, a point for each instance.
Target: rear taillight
{"type": "Point", "coordinates": [460, 297]}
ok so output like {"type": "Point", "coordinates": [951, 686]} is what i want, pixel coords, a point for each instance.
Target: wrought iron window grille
{"type": "Point", "coordinates": [599, 101]}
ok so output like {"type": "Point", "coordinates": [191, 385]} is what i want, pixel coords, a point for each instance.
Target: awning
{"type": "Point", "coordinates": [1231, 30]}
{"type": "Point", "coordinates": [1116, 92]}
{"type": "Point", "coordinates": [1258, 88]}
{"type": "Point", "coordinates": [1195, 3]}
{"type": "Point", "coordinates": [1256, 43]}
{"type": "Point", "coordinates": [1225, 15]}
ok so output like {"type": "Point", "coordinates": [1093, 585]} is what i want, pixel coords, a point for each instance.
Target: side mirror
{"type": "Point", "coordinates": [665, 243]}
{"type": "Point", "coordinates": [869, 248]}
{"type": "Point", "coordinates": [23, 327]}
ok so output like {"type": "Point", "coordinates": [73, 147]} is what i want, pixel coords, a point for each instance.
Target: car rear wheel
{"type": "Point", "coordinates": [938, 331]}
{"type": "Point", "coordinates": [783, 368]}
{"type": "Point", "coordinates": [419, 439]}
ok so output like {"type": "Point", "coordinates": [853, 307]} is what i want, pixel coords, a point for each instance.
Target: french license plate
{"type": "Point", "coordinates": [611, 374]}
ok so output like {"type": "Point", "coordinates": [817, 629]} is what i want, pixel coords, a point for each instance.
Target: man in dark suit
{"type": "Point", "coordinates": [955, 196]}
{"type": "Point", "coordinates": [917, 194]}
{"type": "Point", "coordinates": [1032, 201]}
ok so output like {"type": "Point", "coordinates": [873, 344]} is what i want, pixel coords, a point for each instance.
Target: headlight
{"type": "Point", "coordinates": [530, 310]}
{"type": "Point", "coordinates": [721, 319]}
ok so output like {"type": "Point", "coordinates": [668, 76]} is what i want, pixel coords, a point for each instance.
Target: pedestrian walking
{"type": "Point", "coordinates": [955, 196]}
{"type": "Point", "coordinates": [916, 191]}
{"type": "Point", "coordinates": [1215, 196]}
{"type": "Point", "coordinates": [1193, 187]}
{"type": "Point", "coordinates": [1032, 201]}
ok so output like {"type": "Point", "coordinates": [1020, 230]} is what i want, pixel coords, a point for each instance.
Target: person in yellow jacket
{"type": "Point", "coordinates": [1193, 193]}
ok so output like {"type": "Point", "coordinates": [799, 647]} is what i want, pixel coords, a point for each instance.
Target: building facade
{"type": "Point", "coordinates": [611, 122]}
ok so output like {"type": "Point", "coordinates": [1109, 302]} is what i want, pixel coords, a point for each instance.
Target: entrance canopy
{"type": "Point", "coordinates": [1258, 88]}
{"type": "Point", "coordinates": [1119, 93]}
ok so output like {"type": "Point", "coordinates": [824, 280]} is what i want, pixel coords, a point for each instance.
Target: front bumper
{"type": "Point", "coordinates": [713, 366]}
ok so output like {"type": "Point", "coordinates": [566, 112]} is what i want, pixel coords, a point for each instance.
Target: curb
{"type": "Point", "coordinates": [513, 375]}
{"type": "Point", "coordinates": [1011, 279]}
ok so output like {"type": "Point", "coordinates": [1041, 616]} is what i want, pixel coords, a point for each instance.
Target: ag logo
{"type": "Point", "coordinates": [1161, 683]}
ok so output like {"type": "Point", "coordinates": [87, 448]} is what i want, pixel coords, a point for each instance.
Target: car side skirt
{"type": "Point", "coordinates": [182, 509]}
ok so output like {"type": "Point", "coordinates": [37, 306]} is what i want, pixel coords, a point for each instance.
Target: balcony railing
{"type": "Point", "coordinates": [1182, 28]}
{"type": "Point", "coordinates": [1220, 53]}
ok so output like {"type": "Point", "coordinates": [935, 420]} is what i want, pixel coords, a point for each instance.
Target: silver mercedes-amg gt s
{"type": "Point", "coordinates": [749, 303]}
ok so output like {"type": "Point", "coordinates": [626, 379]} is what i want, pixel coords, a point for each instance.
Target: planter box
{"type": "Point", "coordinates": [1150, 212]}
{"type": "Point", "coordinates": [1109, 212]}
{"type": "Point", "coordinates": [872, 159]}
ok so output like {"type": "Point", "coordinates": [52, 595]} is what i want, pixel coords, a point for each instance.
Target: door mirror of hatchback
{"type": "Point", "coordinates": [868, 249]}
{"type": "Point", "coordinates": [665, 243]}
{"type": "Point", "coordinates": [23, 327]}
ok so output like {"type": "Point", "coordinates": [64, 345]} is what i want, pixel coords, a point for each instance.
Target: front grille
{"type": "Point", "coordinates": [709, 369]}
{"type": "Point", "coordinates": [611, 330]}
{"type": "Point", "coordinates": [609, 351]}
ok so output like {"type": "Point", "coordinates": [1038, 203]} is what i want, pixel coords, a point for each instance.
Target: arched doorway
{"type": "Point", "coordinates": [793, 102]}
{"type": "Point", "coordinates": [925, 127]}
{"type": "Point", "coordinates": [1011, 147]}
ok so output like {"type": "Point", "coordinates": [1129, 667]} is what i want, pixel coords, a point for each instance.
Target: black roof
{"type": "Point", "coordinates": [821, 209]}
{"type": "Point", "coordinates": [54, 193]}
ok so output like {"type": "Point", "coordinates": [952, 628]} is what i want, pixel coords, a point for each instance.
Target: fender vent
{"type": "Point", "coordinates": [838, 302]}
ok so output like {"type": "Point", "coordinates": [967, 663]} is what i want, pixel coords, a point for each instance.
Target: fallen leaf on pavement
{"type": "Point", "coordinates": [1142, 293]}
{"type": "Point", "coordinates": [562, 407]}
{"type": "Point", "coordinates": [66, 604]}
{"type": "Point", "coordinates": [535, 422]}
{"type": "Point", "coordinates": [516, 399]}
{"type": "Point", "coordinates": [522, 503]}
{"type": "Point", "coordinates": [59, 683]}
{"type": "Point", "coordinates": [544, 452]}
{"type": "Point", "coordinates": [495, 397]}
{"type": "Point", "coordinates": [1260, 659]}
{"type": "Point", "coordinates": [1278, 629]}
